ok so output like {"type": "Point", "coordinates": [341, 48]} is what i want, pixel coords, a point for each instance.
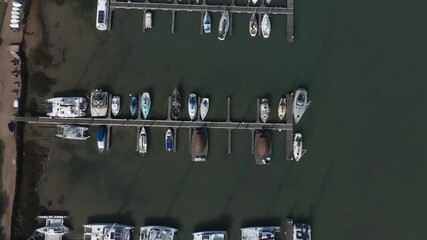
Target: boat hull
{"type": "Point", "coordinates": [142, 142]}
{"type": "Point", "coordinates": [133, 106]}
{"type": "Point", "coordinates": [299, 104]}
{"type": "Point", "coordinates": [282, 108]}
{"type": "Point", "coordinates": [101, 138]}
{"type": "Point", "coordinates": [224, 25]}
{"type": "Point", "coordinates": [264, 110]}
{"type": "Point", "coordinates": [204, 108]}
{"type": "Point", "coordinates": [266, 26]}
{"type": "Point", "coordinates": [253, 25]}
{"type": "Point", "coordinates": [176, 104]}
{"type": "Point", "coordinates": [145, 104]}
{"type": "Point", "coordinates": [192, 106]}
{"type": "Point", "coordinates": [297, 151]}
{"type": "Point", "coordinates": [169, 142]}
{"type": "Point", "coordinates": [115, 105]}
{"type": "Point", "coordinates": [207, 22]}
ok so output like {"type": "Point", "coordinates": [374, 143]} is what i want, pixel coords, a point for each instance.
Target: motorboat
{"type": "Point", "coordinates": [15, 12]}
{"type": "Point", "coordinates": [16, 9]}
{"type": "Point", "coordinates": [260, 233]}
{"type": "Point", "coordinates": [98, 103]}
{"type": "Point", "coordinates": [169, 140]}
{"type": "Point", "coordinates": [142, 141]}
{"type": "Point", "coordinates": [14, 20]}
{"type": "Point", "coordinates": [199, 144]}
{"type": "Point", "coordinates": [298, 151]}
{"type": "Point", "coordinates": [145, 104]}
{"type": "Point", "coordinates": [157, 233]}
{"type": "Point", "coordinates": [102, 15]}
{"type": "Point", "coordinates": [110, 231]}
{"type": "Point", "coordinates": [133, 105]}
{"type": "Point", "coordinates": [148, 20]}
{"type": "Point", "coordinates": [54, 227]}
{"type": "Point", "coordinates": [265, 26]}
{"type": "Point", "coordinates": [67, 107]}
{"type": "Point", "coordinates": [73, 132]}
{"type": "Point", "coordinates": [301, 231]}
{"type": "Point", "coordinates": [115, 105]}
{"type": "Point", "coordinates": [204, 108]}
{"type": "Point", "coordinates": [300, 104]}
{"type": "Point", "coordinates": [192, 106]}
{"type": "Point", "coordinates": [263, 147]}
{"type": "Point", "coordinates": [268, 1]}
{"type": "Point", "coordinates": [176, 104]}
{"type": "Point", "coordinates": [282, 108]}
{"type": "Point", "coordinates": [224, 25]}
{"type": "Point", "coordinates": [14, 25]}
{"type": "Point", "coordinates": [253, 25]}
{"type": "Point", "coordinates": [207, 22]}
{"type": "Point", "coordinates": [254, 2]}
{"type": "Point", "coordinates": [16, 4]}
{"type": "Point", "coordinates": [102, 138]}
{"type": "Point", "coordinates": [210, 235]}
{"type": "Point", "coordinates": [15, 17]}
{"type": "Point", "coordinates": [264, 110]}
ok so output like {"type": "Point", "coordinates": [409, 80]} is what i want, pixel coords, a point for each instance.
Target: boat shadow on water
{"type": "Point", "coordinates": [124, 218]}
{"type": "Point", "coordinates": [222, 223]}
{"type": "Point", "coordinates": [269, 221]}
{"type": "Point", "coordinates": [163, 221]}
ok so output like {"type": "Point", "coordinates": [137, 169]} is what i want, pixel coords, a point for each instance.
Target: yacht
{"type": "Point", "coordinates": [133, 105]}
{"type": "Point", "coordinates": [210, 235]}
{"type": "Point", "coordinates": [260, 233]}
{"type": "Point", "coordinates": [102, 12]}
{"type": "Point", "coordinates": [264, 110]}
{"type": "Point", "coordinates": [265, 26]}
{"type": "Point", "coordinates": [115, 105]}
{"type": "Point", "coordinates": [176, 104]}
{"type": "Point", "coordinates": [16, 4]}
{"type": "Point", "coordinates": [300, 104]}
{"type": "Point", "coordinates": [282, 108]}
{"type": "Point", "coordinates": [110, 231]}
{"type": "Point", "coordinates": [73, 132]}
{"type": "Point", "coordinates": [98, 103]}
{"type": "Point", "coordinates": [148, 20]}
{"type": "Point", "coordinates": [224, 25]}
{"type": "Point", "coordinates": [204, 108]}
{"type": "Point", "coordinates": [54, 228]}
{"type": "Point", "coordinates": [16, 9]}
{"type": "Point", "coordinates": [192, 106]}
{"type": "Point", "coordinates": [67, 107]}
{"type": "Point", "coordinates": [301, 231]}
{"type": "Point", "coordinates": [145, 104]}
{"type": "Point", "coordinates": [207, 22]}
{"type": "Point", "coordinates": [298, 151]}
{"type": "Point", "coordinates": [157, 233]}
{"type": "Point", "coordinates": [101, 138]}
{"type": "Point", "coordinates": [142, 141]}
{"type": "Point", "coordinates": [14, 21]}
{"type": "Point", "coordinates": [263, 147]}
{"type": "Point", "coordinates": [169, 140]}
{"type": "Point", "coordinates": [253, 25]}
{"type": "Point", "coordinates": [199, 144]}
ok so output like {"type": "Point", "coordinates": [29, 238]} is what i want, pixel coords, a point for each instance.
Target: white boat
{"type": "Point", "coordinates": [115, 105]}
{"type": "Point", "coordinates": [169, 142]}
{"type": "Point", "coordinates": [54, 228]}
{"type": "Point", "coordinates": [253, 25]}
{"type": "Point", "coordinates": [98, 103]}
{"type": "Point", "coordinates": [300, 104]}
{"type": "Point", "coordinates": [14, 20]}
{"type": "Point", "coordinates": [264, 110]}
{"type": "Point", "coordinates": [301, 231]}
{"type": "Point", "coordinates": [254, 1]}
{"type": "Point", "coordinates": [15, 17]}
{"type": "Point", "coordinates": [224, 25]}
{"type": "Point", "coordinates": [282, 108]}
{"type": "Point", "coordinates": [142, 141]}
{"type": "Point", "coordinates": [67, 107]}
{"type": "Point", "coordinates": [145, 104]}
{"type": "Point", "coordinates": [157, 233]}
{"type": "Point", "coordinates": [15, 12]}
{"type": "Point", "coordinates": [192, 106]}
{"type": "Point", "coordinates": [265, 26]}
{"type": "Point", "coordinates": [73, 132]}
{"type": "Point", "coordinates": [104, 231]}
{"type": "Point", "coordinates": [207, 22]}
{"type": "Point", "coordinates": [204, 108]}
{"type": "Point", "coordinates": [16, 9]}
{"type": "Point", "coordinates": [210, 235]}
{"type": "Point", "coordinates": [17, 4]}
{"type": "Point", "coordinates": [268, 1]}
{"type": "Point", "coordinates": [102, 12]}
{"type": "Point", "coordinates": [148, 20]}
{"type": "Point", "coordinates": [297, 146]}
{"type": "Point", "coordinates": [14, 25]}
{"type": "Point", "coordinates": [260, 233]}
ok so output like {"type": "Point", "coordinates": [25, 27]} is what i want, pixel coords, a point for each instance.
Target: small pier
{"type": "Point", "coordinates": [289, 135]}
{"type": "Point", "coordinates": [289, 229]}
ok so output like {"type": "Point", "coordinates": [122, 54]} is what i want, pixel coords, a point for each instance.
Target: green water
{"type": "Point", "coordinates": [363, 176]}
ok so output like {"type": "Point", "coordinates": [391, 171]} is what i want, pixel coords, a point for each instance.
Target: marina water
{"type": "Point", "coordinates": [363, 130]}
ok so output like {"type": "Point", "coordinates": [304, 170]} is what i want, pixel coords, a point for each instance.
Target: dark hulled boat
{"type": "Point", "coordinates": [176, 104]}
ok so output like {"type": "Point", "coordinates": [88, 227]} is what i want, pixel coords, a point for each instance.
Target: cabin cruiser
{"type": "Point", "coordinates": [169, 140]}
{"type": "Point", "coordinates": [224, 25]}
{"type": "Point", "coordinates": [67, 107]}
{"type": "Point", "coordinates": [207, 22]}
{"type": "Point", "coordinates": [148, 20]}
{"type": "Point", "coordinates": [265, 26]}
{"type": "Point", "coordinates": [101, 138]}
{"type": "Point", "coordinates": [282, 108]}
{"type": "Point", "coordinates": [176, 104]}
{"type": "Point", "coordinates": [263, 147]}
{"type": "Point", "coordinates": [157, 233]}
{"type": "Point", "coordinates": [298, 151]}
{"type": "Point", "coordinates": [142, 141]}
{"type": "Point", "coordinates": [133, 105]}
{"type": "Point", "coordinates": [192, 106]}
{"type": "Point", "coordinates": [54, 228]}
{"type": "Point", "coordinates": [110, 231]}
{"type": "Point", "coordinates": [204, 108]}
{"type": "Point", "coordinates": [98, 103]}
{"type": "Point", "coordinates": [199, 144]}
{"type": "Point", "coordinates": [115, 105]}
{"type": "Point", "coordinates": [264, 110]}
{"type": "Point", "coordinates": [16, 4]}
{"type": "Point", "coordinates": [301, 231]}
{"type": "Point", "coordinates": [210, 235]}
{"type": "Point", "coordinates": [300, 104]}
{"type": "Point", "coordinates": [260, 233]}
{"type": "Point", "coordinates": [73, 132]}
{"type": "Point", "coordinates": [145, 104]}
{"type": "Point", "coordinates": [253, 25]}
{"type": "Point", "coordinates": [102, 12]}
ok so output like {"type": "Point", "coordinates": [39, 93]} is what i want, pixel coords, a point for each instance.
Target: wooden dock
{"type": "Point", "coordinates": [289, 135]}
{"type": "Point", "coordinates": [289, 229]}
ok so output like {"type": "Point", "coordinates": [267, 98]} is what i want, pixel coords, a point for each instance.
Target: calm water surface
{"type": "Point", "coordinates": [363, 176]}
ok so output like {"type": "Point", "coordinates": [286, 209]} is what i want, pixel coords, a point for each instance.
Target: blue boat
{"type": "Point", "coordinates": [192, 106]}
{"type": "Point", "coordinates": [207, 22]}
{"type": "Point", "coordinates": [145, 104]}
{"type": "Point", "coordinates": [101, 137]}
{"type": "Point", "coordinates": [169, 140]}
{"type": "Point", "coordinates": [133, 105]}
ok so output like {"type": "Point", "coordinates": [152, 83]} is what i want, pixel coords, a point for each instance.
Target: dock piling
{"type": "Point", "coordinates": [199, 102]}
{"type": "Point", "coordinates": [110, 99]}
{"type": "Point", "coordinates": [290, 21]}
{"type": "Point", "coordinates": [228, 109]}
{"type": "Point", "coordinates": [144, 12]}
{"type": "Point", "coordinates": [139, 108]}
{"type": "Point", "coordinates": [189, 140]}
{"type": "Point", "coordinates": [229, 141]}
{"type": "Point", "coordinates": [253, 141]}
{"type": "Point", "coordinates": [169, 107]}
{"type": "Point", "coordinates": [201, 23]}
{"type": "Point", "coordinates": [230, 32]}
{"type": "Point", "coordinates": [175, 132]}
{"type": "Point", "coordinates": [173, 22]}
{"type": "Point", "coordinates": [257, 110]}
{"type": "Point", "coordinates": [138, 130]}
{"type": "Point", "coordinates": [289, 135]}
{"type": "Point", "coordinates": [107, 147]}
{"type": "Point", "coordinates": [259, 24]}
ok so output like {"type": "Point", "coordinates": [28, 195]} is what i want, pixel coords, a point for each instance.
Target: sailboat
{"type": "Point", "coordinates": [133, 105]}
{"type": "Point", "coordinates": [253, 25]}
{"type": "Point", "coordinates": [192, 106]}
{"type": "Point", "coordinates": [169, 140]}
{"type": "Point", "coordinates": [142, 141]}
{"type": "Point", "coordinates": [204, 108]}
{"type": "Point", "coordinates": [115, 105]}
{"type": "Point", "coordinates": [145, 104]}
{"type": "Point", "coordinates": [207, 22]}
{"type": "Point", "coordinates": [282, 108]}
{"type": "Point", "coordinates": [265, 26]}
{"type": "Point", "coordinates": [224, 25]}
{"type": "Point", "coordinates": [176, 104]}
{"type": "Point", "coordinates": [300, 104]}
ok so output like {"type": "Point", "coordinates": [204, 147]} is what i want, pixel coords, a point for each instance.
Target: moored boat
{"type": "Point", "coordinates": [263, 147]}
{"type": "Point", "coordinates": [111, 231]}
{"type": "Point", "coordinates": [133, 105]}
{"type": "Point", "coordinates": [15, 17]}
{"type": "Point", "coordinates": [14, 26]}
{"type": "Point", "coordinates": [282, 108]}
{"type": "Point", "coordinates": [16, 9]}
{"type": "Point", "coordinates": [14, 21]}
{"type": "Point", "coordinates": [157, 233]}
{"type": "Point", "coordinates": [54, 228]}
{"type": "Point", "coordinates": [265, 26]}
{"type": "Point", "coordinates": [264, 110]}
{"type": "Point", "coordinates": [67, 107]}
{"type": "Point", "coordinates": [98, 103]}
{"type": "Point", "coordinates": [300, 104]}
{"type": "Point", "coordinates": [16, 4]}
{"type": "Point", "coordinates": [145, 104]}
{"type": "Point", "coordinates": [253, 25]}
{"type": "Point", "coordinates": [204, 108]}
{"type": "Point", "coordinates": [224, 25]}
{"type": "Point", "coordinates": [142, 141]}
{"type": "Point", "coordinates": [297, 151]}
{"type": "Point", "coordinates": [73, 132]}
{"type": "Point", "coordinates": [101, 138]}
{"type": "Point", "coordinates": [115, 105]}
{"type": "Point", "coordinates": [102, 12]}
{"type": "Point", "coordinates": [207, 22]}
{"type": "Point", "coordinates": [199, 144]}
{"type": "Point", "coordinates": [176, 104]}
{"type": "Point", "coordinates": [15, 12]}
{"type": "Point", "coordinates": [210, 235]}
{"type": "Point", "coordinates": [192, 106]}
{"type": "Point", "coordinates": [169, 140]}
{"type": "Point", "coordinates": [301, 231]}
{"type": "Point", "coordinates": [148, 20]}
{"type": "Point", "coordinates": [254, 1]}
{"type": "Point", "coordinates": [260, 233]}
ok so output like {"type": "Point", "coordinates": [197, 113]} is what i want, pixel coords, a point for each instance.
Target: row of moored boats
{"type": "Point", "coordinates": [16, 15]}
